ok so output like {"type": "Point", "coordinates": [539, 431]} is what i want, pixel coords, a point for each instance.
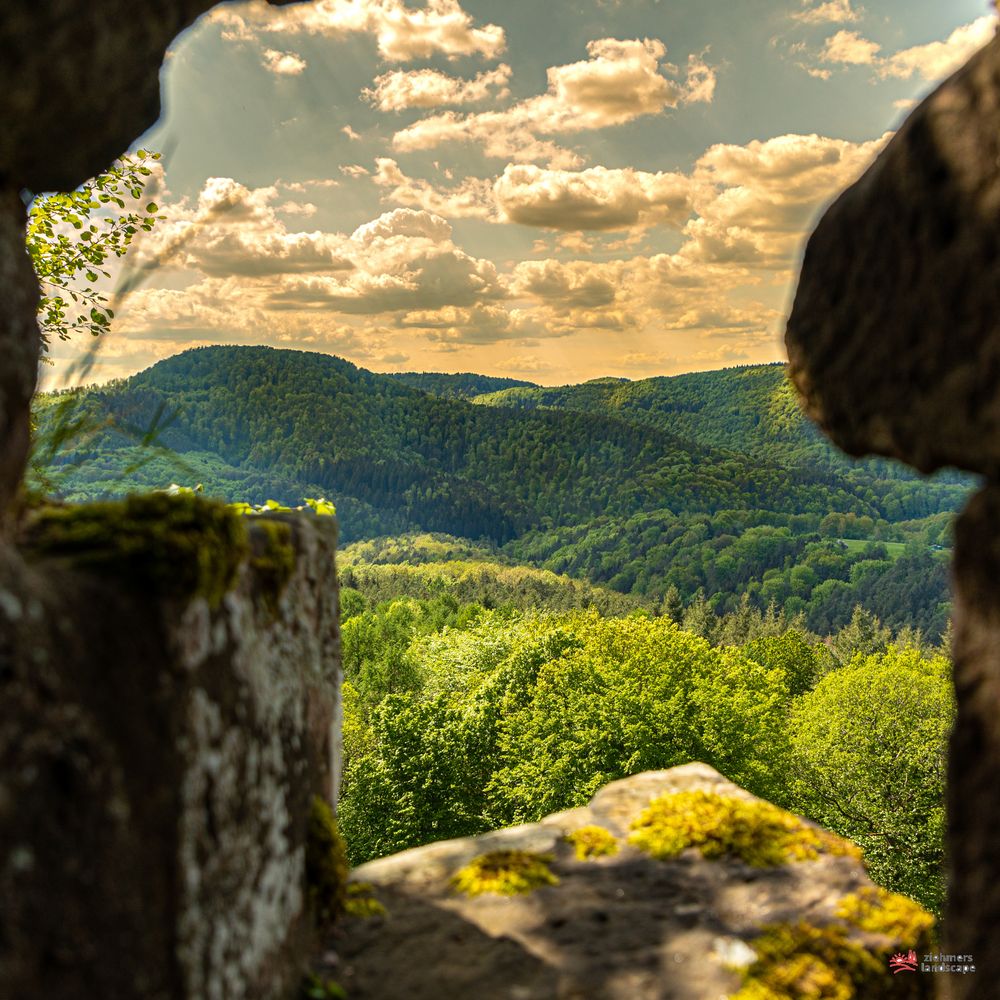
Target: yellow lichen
{"type": "Point", "coordinates": [326, 864]}
{"type": "Point", "coordinates": [882, 912]}
{"type": "Point", "coordinates": [802, 962]}
{"type": "Point", "coordinates": [361, 902]}
{"type": "Point", "coordinates": [758, 832]}
{"type": "Point", "coordinates": [507, 873]}
{"type": "Point", "coordinates": [592, 842]}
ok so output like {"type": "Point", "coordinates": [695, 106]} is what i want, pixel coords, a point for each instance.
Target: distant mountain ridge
{"type": "Point", "coordinates": [612, 480]}
{"type": "Point", "coordinates": [464, 385]}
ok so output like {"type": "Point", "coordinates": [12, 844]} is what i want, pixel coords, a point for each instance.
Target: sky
{"type": "Point", "coordinates": [548, 191]}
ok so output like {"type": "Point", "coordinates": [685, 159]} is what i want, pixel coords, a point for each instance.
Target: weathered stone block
{"type": "Point", "coordinates": [524, 913]}
{"type": "Point", "coordinates": [163, 732]}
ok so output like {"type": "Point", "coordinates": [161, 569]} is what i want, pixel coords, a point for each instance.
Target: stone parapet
{"type": "Point", "coordinates": [163, 733]}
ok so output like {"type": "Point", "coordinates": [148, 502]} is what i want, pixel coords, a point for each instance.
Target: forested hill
{"type": "Point", "coordinates": [751, 409]}
{"type": "Point", "coordinates": [465, 385]}
{"type": "Point", "coordinates": [616, 491]}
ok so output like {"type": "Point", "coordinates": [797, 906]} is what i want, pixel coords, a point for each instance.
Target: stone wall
{"type": "Point", "coordinates": [168, 674]}
{"type": "Point", "coordinates": [162, 737]}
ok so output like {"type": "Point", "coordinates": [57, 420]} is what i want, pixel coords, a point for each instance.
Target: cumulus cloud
{"type": "Point", "coordinates": [937, 60]}
{"type": "Point", "coordinates": [403, 260]}
{"type": "Point", "coordinates": [470, 199]}
{"type": "Point", "coordinates": [597, 198]}
{"type": "Point", "coordinates": [831, 12]}
{"type": "Point", "coordinates": [575, 283]}
{"type": "Point", "coordinates": [430, 88]}
{"type": "Point", "coordinates": [478, 324]}
{"type": "Point", "coordinates": [234, 230]}
{"type": "Point", "coordinates": [754, 202]}
{"type": "Point", "coordinates": [283, 63]}
{"type": "Point", "coordinates": [932, 61]}
{"type": "Point", "coordinates": [851, 48]}
{"type": "Point", "coordinates": [402, 33]}
{"type": "Point", "coordinates": [620, 81]}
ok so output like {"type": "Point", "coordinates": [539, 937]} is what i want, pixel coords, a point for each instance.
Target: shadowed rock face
{"type": "Point", "coordinates": [894, 343]}
{"type": "Point", "coordinates": [894, 337]}
{"type": "Point", "coordinates": [159, 754]}
{"type": "Point", "coordinates": [79, 82]}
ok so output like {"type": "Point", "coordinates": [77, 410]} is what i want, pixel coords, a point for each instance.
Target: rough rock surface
{"type": "Point", "coordinates": [894, 337]}
{"type": "Point", "coordinates": [622, 927]}
{"type": "Point", "coordinates": [894, 342]}
{"type": "Point", "coordinates": [158, 760]}
{"type": "Point", "coordinates": [973, 912]}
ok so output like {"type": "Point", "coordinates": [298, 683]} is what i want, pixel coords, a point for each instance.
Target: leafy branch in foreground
{"type": "Point", "coordinates": [71, 236]}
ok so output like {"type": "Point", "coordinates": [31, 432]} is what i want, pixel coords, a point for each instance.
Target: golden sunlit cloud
{"type": "Point", "coordinates": [430, 88]}
{"type": "Point", "coordinates": [596, 198]}
{"type": "Point", "coordinates": [931, 61]}
{"type": "Point", "coordinates": [403, 33]}
{"type": "Point", "coordinates": [283, 63]}
{"type": "Point", "coordinates": [619, 82]}
{"type": "Point", "coordinates": [831, 12]}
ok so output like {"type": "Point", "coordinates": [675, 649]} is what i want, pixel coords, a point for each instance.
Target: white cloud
{"type": "Point", "coordinates": [937, 60]}
{"type": "Point", "coordinates": [596, 198]}
{"type": "Point", "coordinates": [619, 82]}
{"type": "Point", "coordinates": [470, 199]}
{"type": "Point", "coordinates": [576, 283]}
{"type": "Point", "coordinates": [234, 230]}
{"type": "Point", "coordinates": [402, 33]}
{"type": "Point", "coordinates": [430, 88]}
{"type": "Point", "coordinates": [850, 48]}
{"type": "Point", "coordinates": [699, 87]}
{"type": "Point", "coordinates": [931, 62]}
{"type": "Point", "coordinates": [403, 260]}
{"type": "Point", "coordinates": [831, 12]}
{"type": "Point", "coordinates": [350, 133]}
{"type": "Point", "coordinates": [754, 202]}
{"type": "Point", "coordinates": [283, 63]}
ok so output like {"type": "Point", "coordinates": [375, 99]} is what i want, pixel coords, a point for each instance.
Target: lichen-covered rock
{"type": "Point", "coordinates": [894, 337]}
{"type": "Point", "coordinates": [168, 703]}
{"type": "Point", "coordinates": [617, 923]}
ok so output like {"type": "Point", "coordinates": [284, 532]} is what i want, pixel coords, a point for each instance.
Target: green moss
{"type": "Point", "coordinates": [803, 962]}
{"type": "Point", "coordinates": [507, 873]}
{"type": "Point", "coordinates": [316, 988]}
{"type": "Point", "coordinates": [326, 864]}
{"type": "Point", "coordinates": [881, 912]}
{"type": "Point", "coordinates": [361, 901]}
{"type": "Point", "coordinates": [592, 842]}
{"type": "Point", "coordinates": [174, 546]}
{"type": "Point", "coordinates": [758, 832]}
{"type": "Point", "coordinates": [272, 558]}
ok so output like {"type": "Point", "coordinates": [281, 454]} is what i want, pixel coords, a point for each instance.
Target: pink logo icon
{"type": "Point", "coordinates": [903, 963]}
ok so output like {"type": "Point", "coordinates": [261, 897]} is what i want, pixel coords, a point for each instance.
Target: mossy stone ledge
{"type": "Point", "coordinates": [173, 546]}
{"type": "Point", "coordinates": [721, 895]}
